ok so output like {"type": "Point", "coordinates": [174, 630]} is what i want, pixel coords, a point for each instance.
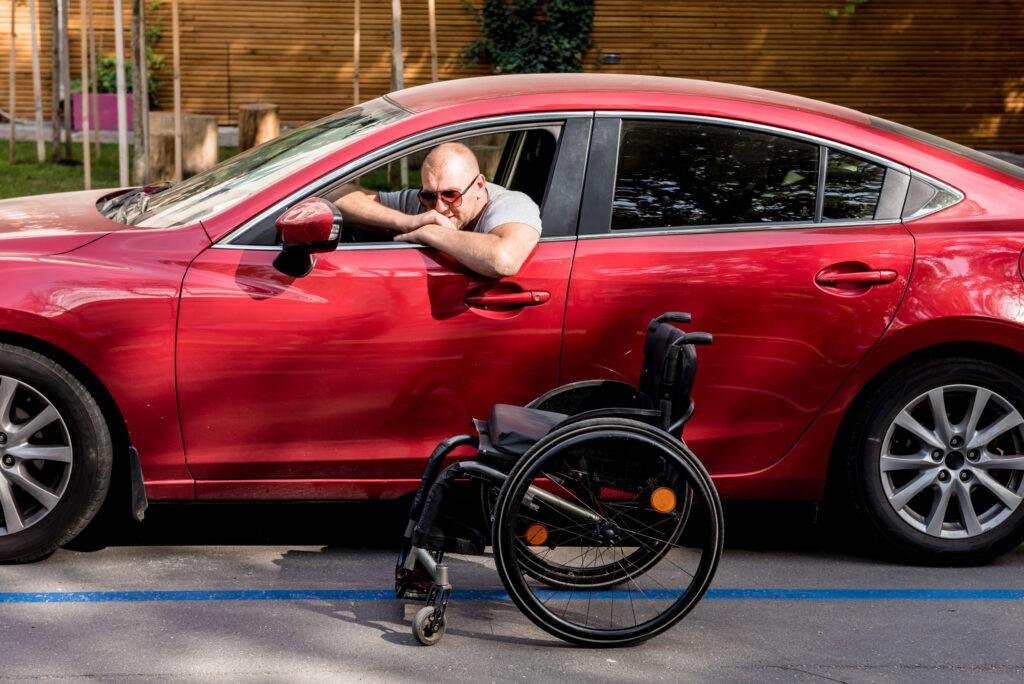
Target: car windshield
{"type": "Point", "coordinates": [226, 184]}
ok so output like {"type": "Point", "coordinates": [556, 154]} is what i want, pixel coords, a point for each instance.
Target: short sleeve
{"type": "Point", "coordinates": [404, 201]}
{"type": "Point", "coordinates": [511, 207]}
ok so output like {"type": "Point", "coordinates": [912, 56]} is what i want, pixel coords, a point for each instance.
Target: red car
{"type": "Point", "coordinates": [862, 281]}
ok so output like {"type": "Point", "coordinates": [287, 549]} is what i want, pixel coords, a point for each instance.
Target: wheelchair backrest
{"type": "Point", "coordinates": [669, 369]}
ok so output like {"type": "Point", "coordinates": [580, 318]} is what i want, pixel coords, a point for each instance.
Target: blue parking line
{"type": "Point", "coordinates": [724, 594]}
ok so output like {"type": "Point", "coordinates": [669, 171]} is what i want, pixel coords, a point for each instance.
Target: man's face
{"type": "Point", "coordinates": [455, 177]}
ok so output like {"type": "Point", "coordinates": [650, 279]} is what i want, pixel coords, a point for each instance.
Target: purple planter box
{"type": "Point", "coordinates": [108, 111]}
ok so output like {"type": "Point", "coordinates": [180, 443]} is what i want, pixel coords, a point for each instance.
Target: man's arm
{"type": "Point", "coordinates": [497, 254]}
{"type": "Point", "coordinates": [364, 209]}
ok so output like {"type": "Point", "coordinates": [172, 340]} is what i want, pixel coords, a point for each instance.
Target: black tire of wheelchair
{"type": "Point", "coordinates": [421, 624]}
{"type": "Point", "coordinates": [600, 577]}
{"type": "Point", "coordinates": [92, 448]}
{"type": "Point", "coordinates": [504, 539]}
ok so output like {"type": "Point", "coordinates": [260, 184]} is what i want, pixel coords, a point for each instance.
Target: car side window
{"type": "Point", "coordinates": [520, 159]}
{"type": "Point", "coordinates": [852, 187]}
{"type": "Point", "coordinates": [698, 174]}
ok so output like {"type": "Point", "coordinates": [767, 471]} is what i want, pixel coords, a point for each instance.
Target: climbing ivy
{"type": "Point", "coordinates": [531, 36]}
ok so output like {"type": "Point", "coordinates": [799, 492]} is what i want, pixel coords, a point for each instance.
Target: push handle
{"type": "Point", "coordinates": [697, 338]}
{"type": "Point", "coordinates": [672, 317]}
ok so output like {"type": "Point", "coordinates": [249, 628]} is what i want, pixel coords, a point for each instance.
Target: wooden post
{"type": "Point", "coordinates": [37, 83]}
{"type": "Point", "coordinates": [86, 159]}
{"type": "Point", "coordinates": [432, 20]}
{"type": "Point", "coordinates": [93, 79]}
{"type": "Point", "coordinates": [177, 91]}
{"type": "Point", "coordinates": [55, 151]}
{"type": "Point", "coordinates": [122, 107]}
{"type": "Point", "coordinates": [12, 151]}
{"type": "Point", "coordinates": [355, 55]}
{"type": "Point", "coordinates": [65, 74]}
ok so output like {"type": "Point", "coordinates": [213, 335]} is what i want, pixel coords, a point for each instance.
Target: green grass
{"type": "Point", "coordinates": [28, 177]}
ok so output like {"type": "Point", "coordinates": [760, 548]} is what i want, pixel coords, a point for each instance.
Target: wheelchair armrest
{"type": "Point", "coordinates": [649, 416]}
{"type": "Point", "coordinates": [586, 395]}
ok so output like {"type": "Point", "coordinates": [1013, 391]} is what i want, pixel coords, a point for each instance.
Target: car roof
{"type": "Point", "coordinates": [643, 92]}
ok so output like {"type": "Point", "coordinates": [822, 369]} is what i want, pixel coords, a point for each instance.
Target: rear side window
{"type": "Point", "coordinates": [852, 187]}
{"type": "Point", "coordinates": [696, 174]}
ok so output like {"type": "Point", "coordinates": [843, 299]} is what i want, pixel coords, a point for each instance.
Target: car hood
{"type": "Point", "coordinates": [42, 225]}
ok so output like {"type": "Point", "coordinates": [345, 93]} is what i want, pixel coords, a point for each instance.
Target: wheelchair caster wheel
{"type": "Point", "coordinates": [421, 627]}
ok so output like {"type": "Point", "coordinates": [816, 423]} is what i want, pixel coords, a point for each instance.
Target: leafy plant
{"type": "Point", "coordinates": [106, 67]}
{"type": "Point", "coordinates": [849, 9]}
{"type": "Point", "coordinates": [531, 36]}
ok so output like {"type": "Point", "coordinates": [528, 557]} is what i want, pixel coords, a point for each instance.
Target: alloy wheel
{"type": "Point", "coordinates": [35, 456]}
{"type": "Point", "coordinates": [952, 461]}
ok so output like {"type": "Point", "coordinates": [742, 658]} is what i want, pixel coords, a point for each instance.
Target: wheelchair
{"type": "Point", "coordinates": [606, 529]}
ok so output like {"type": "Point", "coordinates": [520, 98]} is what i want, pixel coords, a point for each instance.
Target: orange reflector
{"type": "Point", "coordinates": [536, 534]}
{"type": "Point", "coordinates": [663, 500]}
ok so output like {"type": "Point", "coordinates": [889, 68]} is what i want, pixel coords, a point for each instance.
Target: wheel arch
{"type": "Point", "coordinates": [988, 351]}
{"type": "Point", "coordinates": [111, 412]}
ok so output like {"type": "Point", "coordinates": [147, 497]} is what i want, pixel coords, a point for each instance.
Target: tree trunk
{"type": "Point", "coordinates": [257, 123]}
{"type": "Point", "coordinates": [65, 75]}
{"type": "Point", "coordinates": [139, 91]}
{"type": "Point", "coordinates": [86, 151]}
{"type": "Point", "coordinates": [177, 91]}
{"type": "Point", "coordinates": [12, 151]}
{"type": "Point", "coordinates": [122, 106]}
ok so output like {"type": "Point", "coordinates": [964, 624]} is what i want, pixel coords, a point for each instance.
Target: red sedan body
{"type": "Point", "coordinates": [234, 381]}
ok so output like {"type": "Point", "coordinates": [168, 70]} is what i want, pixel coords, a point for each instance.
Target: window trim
{"type": "Point", "coordinates": [398, 149]}
{"type": "Point", "coordinates": [595, 219]}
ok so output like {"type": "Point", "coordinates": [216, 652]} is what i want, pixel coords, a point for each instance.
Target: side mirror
{"type": "Point", "coordinates": [311, 226]}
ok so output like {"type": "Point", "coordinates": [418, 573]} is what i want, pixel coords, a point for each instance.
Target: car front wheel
{"type": "Point", "coordinates": [55, 455]}
{"type": "Point", "coordinates": [936, 465]}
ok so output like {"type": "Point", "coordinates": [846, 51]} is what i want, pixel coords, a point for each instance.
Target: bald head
{"type": "Point", "coordinates": [454, 157]}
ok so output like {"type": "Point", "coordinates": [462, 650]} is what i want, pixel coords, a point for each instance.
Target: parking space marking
{"type": "Point", "coordinates": [721, 594]}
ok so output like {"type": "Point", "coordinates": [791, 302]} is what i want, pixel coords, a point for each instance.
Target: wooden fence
{"type": "Point", "coordinates": [954, 68]}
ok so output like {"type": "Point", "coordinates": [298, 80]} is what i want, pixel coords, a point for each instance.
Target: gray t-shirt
{"type": "Point", "coordinates": [503, 206]}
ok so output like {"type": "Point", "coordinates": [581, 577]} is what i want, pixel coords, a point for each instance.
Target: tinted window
{"type": "Point", "coordinates": [852, 187]}
{"type": "Point", "coordinates": [693, 174]}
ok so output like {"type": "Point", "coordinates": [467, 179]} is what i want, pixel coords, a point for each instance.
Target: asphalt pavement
{"type": "Point", "coordinates": [301, 593]}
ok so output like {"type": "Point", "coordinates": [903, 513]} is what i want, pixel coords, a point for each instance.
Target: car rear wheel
{"type": "Point", "coordinates": [936, 465]}
{"type": "Point", "coordinates": [55, 455]}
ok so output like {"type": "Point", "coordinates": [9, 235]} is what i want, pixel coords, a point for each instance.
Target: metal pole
{"type": "Point", "coordinates": [12, 152]}
{"type": "Point", "coordinates": [355, 56]}
{"type": "Point", "coordinates": [122, 107]}
{"type": "Point", "coordinates": [177, 90]}
{"type": "Point", "coordinates": [433, 39]}
{"type": "Point", "coordinates": [86, 151]}
{"type": "Point", "coordinates": [37, 82]}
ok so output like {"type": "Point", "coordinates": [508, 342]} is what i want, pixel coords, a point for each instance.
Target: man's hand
{"type": "Point", "coordinates": [424, 235]}
{"type": "Point", "coordinates": [432, 217]}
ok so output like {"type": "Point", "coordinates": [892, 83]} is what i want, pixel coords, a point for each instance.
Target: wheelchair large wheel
{"type": "Point", "coordinates": [613, 500]}
{"type": "Point", "coordinates": [600, 572]}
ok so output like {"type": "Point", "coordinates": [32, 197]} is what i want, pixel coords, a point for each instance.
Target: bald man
{"type": "Point", "coordinates": [485, 227]}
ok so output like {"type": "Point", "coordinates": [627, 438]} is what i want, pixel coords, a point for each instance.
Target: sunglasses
{"type": "Point", "coordinates": [453, 198]}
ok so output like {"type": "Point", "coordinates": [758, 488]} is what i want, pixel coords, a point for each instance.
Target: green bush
{"type": "Point", "coordinates": [531, 36]}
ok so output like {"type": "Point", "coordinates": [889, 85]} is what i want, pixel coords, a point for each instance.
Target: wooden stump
{"type": "Point", "coordinates": [257, 123]}
{"type": "Point", "coordinates": [161, 155]}
{"type": "Point", "coordinates": [198, 139]}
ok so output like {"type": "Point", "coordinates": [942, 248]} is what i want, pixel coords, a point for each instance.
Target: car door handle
{"type": "Point", "coordinates": [831, 278]}
{"type": "Point", "coordinates": [509, 299]}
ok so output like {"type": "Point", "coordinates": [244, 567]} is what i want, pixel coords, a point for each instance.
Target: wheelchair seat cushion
{"type": "Point", "coordinates": [514, 429]}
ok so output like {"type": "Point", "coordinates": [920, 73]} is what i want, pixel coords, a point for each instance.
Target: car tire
{"type": "Point", "coordinates": [934, 492]}
{"type": "Point", "coordinates": [54, 480]}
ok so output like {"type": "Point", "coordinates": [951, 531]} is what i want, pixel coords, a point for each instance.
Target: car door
{"type": "Point", "coordinates": [357, 370]}
{"type": "Point", "coordinates": [788, 250]}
